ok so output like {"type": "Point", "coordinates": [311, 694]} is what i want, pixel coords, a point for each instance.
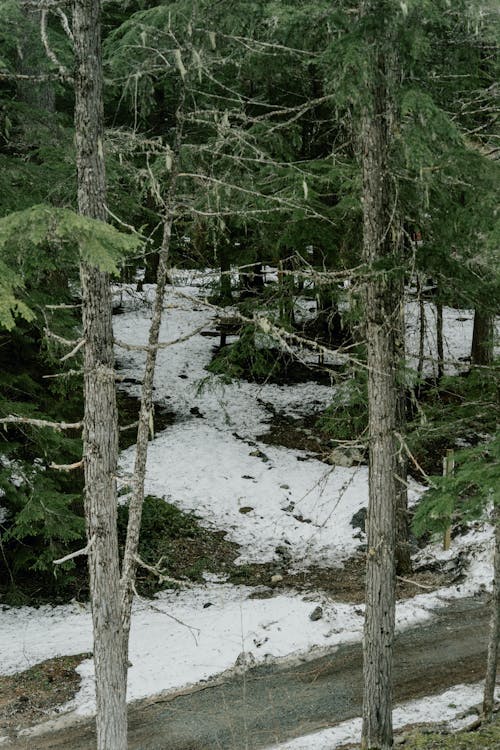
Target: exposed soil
{"type": "Point", "coordinates": [27, 698]}
{"type": "Point", "coordinates": [128, 414]}
{"type": "Point", "coordinates": [345, 583]}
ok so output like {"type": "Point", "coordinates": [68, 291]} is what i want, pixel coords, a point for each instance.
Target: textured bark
{"type": "Point", "coordinates": [491, 664]}
{"type": "Point", "coordinates": [100, 433]}
{"type": "Point", "coordinates": [482, 339]}
{"type": "Point", "coordinates": [381, 326]}
{"type": "Point", "coordinates": [439, 340]}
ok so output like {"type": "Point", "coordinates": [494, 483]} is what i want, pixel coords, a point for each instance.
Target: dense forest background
{"type": "Point", "coordinates": [240, 122]}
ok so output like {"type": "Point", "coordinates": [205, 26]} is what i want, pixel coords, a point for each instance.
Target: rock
{"type": "Point", "coordinates": [345, 457]}
{"type": "Point", "coordinates": [245, 660]}
{"type": "Point", "coordinates": [276, 578]}
{"type": "Point", "coordinates": [196, 412]}
{"type": "Point", "coordinates": [358, 521]}
{"type": "Point", "coordinates": [246, 509]}
{"type": "Point", "coordinates": [316, 614]}
{"type": "Point", "coordinates": [259, 454]}
{"type": "Point", "coordinates": [284, 486]}
{"type": "Point", "coordinates": [284, 553]}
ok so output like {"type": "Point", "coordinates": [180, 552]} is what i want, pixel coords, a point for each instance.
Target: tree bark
{"type": "Point", "coordinates": [491, 664]}
{"type": "Point", "coordinates": [482, 339]}
{"type": "Point", "coordinates": [381, 325]}
{"type": "Point", "coordinates": [439, 340]}
{"type": "Point", "coordinates": [100, 432]}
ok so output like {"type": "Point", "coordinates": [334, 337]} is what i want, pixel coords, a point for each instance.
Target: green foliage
{"type": "Point", "coordinates": [465, 495]}
{"type": "Point", "coordinates": [486, 737]}
{"type": "Point", "coordinates": [163, 527]}
{"type": "Point", "coordinates": [458, 408]}
{"type": "Point", "coordinates": [249, 358]}
{"type": "Point", "coordinates": [41, 240]}
{"type": "Point", "coordinates": [347, 417]}
{"type": "Point", "coordinates": [10, 304]}
{"type": "Point", "coordinates": [25, 232]}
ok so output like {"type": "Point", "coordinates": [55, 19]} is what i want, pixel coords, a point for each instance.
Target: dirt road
{"type": "Point", "coordinates": [274, 703]}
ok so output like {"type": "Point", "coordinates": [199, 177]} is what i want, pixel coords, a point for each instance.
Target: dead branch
{"type": "Point", "coordinates": [58, 426]}
{"type": "Point", "coordinates": [130, 426]}
{"type": "Point", "coordinates": [78, 553]}
{"type": "Point", "coordinates": [67, 467]}
{"type": "Point", "coordinates": [68, 373]}
{"type": "Point", "coordinates": [73, 351]}
{"type": "Point", "coordinates": [155, 570]}
{"type": "Point", "coordinates": [161, 345]}
{"type": "Point", "coordinates": [63, 73]}
{"type": "Point", "coordinates": [414, 583]}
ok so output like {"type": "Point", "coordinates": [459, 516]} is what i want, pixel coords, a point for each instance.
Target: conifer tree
{"type": "Point", "coordinates": [100, 430]}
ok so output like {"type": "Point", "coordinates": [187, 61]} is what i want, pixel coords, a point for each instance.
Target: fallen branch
{"type": "Point", "coordinates": [191, 629]}
{"type": "Point", "coordinates": [414, 583]}
{"type": "Point", "coordinates": [78, 553]}
{"type": "Point", "coordinates": [155, 570]}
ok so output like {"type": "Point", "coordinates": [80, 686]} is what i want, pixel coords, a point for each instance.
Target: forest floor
{"type": "Point", "coordinates": [274, 563]}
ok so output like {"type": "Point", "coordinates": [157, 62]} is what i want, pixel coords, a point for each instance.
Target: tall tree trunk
{"type": "Point", "coordinates": [491, 665]}
{"type": "Point", "coordinates": [100, 434]}
{"type": "Point", "coordinates": [381, 325]}
{"type": "Point", "coordinates": [146, 411]}
{"type": "Point", "coordinates": [403, 551]}
{"type": "Point", "coordinates": [421, 332]}
{"type": "Point", "coordinates": [482, 339]}
{"type": "Point", "coordinates": [225, 291]}
{"type": "Point", "coordinates": [439, 340]}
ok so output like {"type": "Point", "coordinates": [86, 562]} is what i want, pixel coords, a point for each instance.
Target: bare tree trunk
{"type": "Point", "coordinates": [491, 665]}
{"type": "Point", "coordinates": [439, 340]}
{"type": "Point", "coordinates": [381, 325]}
{"type": "Point", "coordinates": [421, 332]}
{"type": "Point", "coordinates": [100, 434]}
{"type": "Point", "coordinates": [137, 498]}
{"type": "Point", "coordinates": [482, 339]}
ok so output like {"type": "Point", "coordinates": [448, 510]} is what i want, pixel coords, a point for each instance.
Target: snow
{"type": "Point", "coordinates": [214, 465]}
{"type": "Point", "coordinates": [446, 709]}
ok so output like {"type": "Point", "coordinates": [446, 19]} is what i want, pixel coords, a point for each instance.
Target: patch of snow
{"type": "Point", "coordinates": [446, 709]}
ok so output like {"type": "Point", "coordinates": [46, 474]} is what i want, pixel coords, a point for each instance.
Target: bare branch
{"type": "Point", "coordinates": [73, 351]}
{"type": "Point", "coordinates": [78, 553]}
{"type": "Point", "coordinates": [161, 345]}
{"type": "Point", "coordinates": [63, 73]}
{"type": "Point", "coordinates": [67, 467]}
{"type": "Point", "coordinates": [58, 426]}
{"type": "Point", "coordinates": [155, 570]}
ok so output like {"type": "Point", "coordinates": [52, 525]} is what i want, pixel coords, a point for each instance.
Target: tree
{"type": "Point", "coordinates": [380, 245]}
{"type": "Point", "coordinates": [100, 423]}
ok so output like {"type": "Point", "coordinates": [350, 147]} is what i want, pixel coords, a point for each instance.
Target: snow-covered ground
{"type": "Point", "coordinates": [211, 462]}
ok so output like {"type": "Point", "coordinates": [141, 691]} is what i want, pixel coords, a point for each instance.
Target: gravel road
{"type": "Point", "coordinates": [273, 703]}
